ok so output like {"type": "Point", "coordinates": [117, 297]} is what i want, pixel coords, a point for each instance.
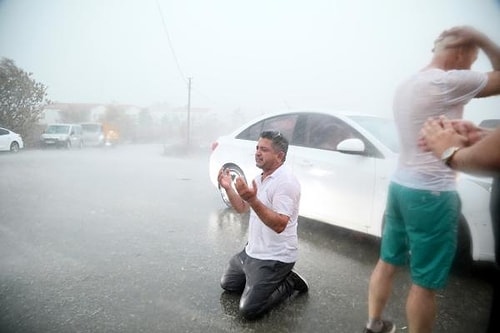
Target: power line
{"type": "Point", "coordinates": [170, 43]}
{"type": "Point", "coordinates": [181, 73]}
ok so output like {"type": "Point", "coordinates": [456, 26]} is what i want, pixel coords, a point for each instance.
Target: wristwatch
{"type": "Point", "coordinates": [447, 155]}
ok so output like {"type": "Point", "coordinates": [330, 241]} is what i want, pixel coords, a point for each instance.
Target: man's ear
{"type": "Point", "coordinates": [281, 156]}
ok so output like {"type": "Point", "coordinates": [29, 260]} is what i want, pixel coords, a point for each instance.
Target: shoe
{"type": "Point", "coordinates": [299, 283]}
{"type": "Point", "coordinates": [387, 327]}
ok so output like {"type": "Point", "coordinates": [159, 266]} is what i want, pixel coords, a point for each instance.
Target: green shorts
{"type": "Point", "coordinates": [421, 228]}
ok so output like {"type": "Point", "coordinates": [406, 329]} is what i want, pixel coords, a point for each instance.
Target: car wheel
{"type": "Point", "coordinates": [235, 172]}
{"type": "Point", "coordinates": [14, 147]}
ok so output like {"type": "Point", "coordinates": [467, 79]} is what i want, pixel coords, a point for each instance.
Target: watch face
{"type": "Point", "coordinates": [448, 153]}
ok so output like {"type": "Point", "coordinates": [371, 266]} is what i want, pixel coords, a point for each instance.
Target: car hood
{"type": "Point", "coordinates": [53, 136]}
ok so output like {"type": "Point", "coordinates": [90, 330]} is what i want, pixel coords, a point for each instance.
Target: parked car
{"type": "Point", "coordinates": [344, 163]}
{"type": "Point", "coordinates": [93, 134]}
{"type": "Point", "coordinates": [62, 135]}
{"type": "Point", "coordinates": [10, 141]}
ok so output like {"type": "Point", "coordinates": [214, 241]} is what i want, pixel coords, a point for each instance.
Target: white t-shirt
{"type": "Point", "coordinates": [279, 191]}
{"type": "Point", "coordinates": [430, 93]}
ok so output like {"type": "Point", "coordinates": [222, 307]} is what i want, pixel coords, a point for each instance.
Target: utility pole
{"type": "Point", "coordinates": [189, 113]}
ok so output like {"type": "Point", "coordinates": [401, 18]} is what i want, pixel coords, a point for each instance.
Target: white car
{"type": "Point", "coordinates": [10, 141]}
{"type": "Point", "coordinates": [344, 163]}
{"type": "Point", "coordinates": [62, 135]}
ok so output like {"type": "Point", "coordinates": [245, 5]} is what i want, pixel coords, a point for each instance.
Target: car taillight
{"type": "Point", "coordinates": [214, 145]}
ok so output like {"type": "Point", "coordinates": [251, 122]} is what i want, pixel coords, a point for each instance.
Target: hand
{"type": "Point", "coordinates": [469, 130]}
{"type": "Point", "coordinates": [246, 193]}
{"type": "Point", "coordinates": [463, 35]}
{"type": "Point", "coordinates": [439, 134]}
{"type": "Point", "coordinates": [225, 180]}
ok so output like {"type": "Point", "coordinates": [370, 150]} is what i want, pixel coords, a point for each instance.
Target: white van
{"type": "Point", "coordinates": [62, 135]}
{"type": "Point", "coordinates": [93, 134]}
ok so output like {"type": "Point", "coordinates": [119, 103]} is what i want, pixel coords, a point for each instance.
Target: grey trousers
{"type": "Point", "coordinates": [263, 283]}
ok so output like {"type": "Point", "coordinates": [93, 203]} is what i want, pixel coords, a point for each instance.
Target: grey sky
{"type": "Point", "coordinates": [258, 55]}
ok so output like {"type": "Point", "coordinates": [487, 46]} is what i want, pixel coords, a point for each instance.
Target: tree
{"type": "Point", "coordinates": [22, 100]}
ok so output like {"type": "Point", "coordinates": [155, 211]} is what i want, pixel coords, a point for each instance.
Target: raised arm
{"type": "Point", "coordinates": [466, 35]}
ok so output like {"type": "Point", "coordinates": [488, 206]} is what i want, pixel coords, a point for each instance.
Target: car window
{"type": "Point", "coordinates": [325, 132]}
{"type": "Point", "coordinates": [383, 129]}
{"type": "Point", "coordinates": [285, 124]}
{"type": "Point", "coordinates": [322, 132]}
{"type": "Point", "coordinates": [95, 128]}
{"type": "Point", "coordinates": [3, 132]}
{"type": "Point", "coordinates": [58, 129]}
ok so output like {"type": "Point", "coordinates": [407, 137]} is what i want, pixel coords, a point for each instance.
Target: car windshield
{"type": "Point", "coordinates": [57, 129]}
{"type": "Point", "coordinates": [95, 128]}
{"type": "Point", "coordinates": [383, 129]}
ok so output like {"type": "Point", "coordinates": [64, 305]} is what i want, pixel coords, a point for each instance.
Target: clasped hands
{"type": "Point", "coordinates": [247, 193]}
{"type": "Point", "coordinates": [440, 133]}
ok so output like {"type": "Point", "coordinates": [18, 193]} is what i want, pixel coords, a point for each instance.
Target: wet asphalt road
{"type": "Point", "coordinates": [134, 240]}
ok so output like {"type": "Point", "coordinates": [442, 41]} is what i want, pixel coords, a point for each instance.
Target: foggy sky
{"type": "Point", "coordinates": [259, 55]}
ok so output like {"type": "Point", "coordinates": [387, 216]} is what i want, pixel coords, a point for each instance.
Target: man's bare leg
{"type": "Point", "coordinates": [421, 309]}
{"type": "Point", "coordinates": [380, 288]}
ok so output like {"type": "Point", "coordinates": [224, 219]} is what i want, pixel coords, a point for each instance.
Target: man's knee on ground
{"type": "Point", "coordinates": [251, 312]}
{"type": "Point", "coordinates": [231, 286]}
{"type": "Point", "coordinates": [224, 284]}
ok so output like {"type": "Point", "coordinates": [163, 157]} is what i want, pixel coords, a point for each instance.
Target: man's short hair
{"type": "Point", "coordinates": [279, 142]}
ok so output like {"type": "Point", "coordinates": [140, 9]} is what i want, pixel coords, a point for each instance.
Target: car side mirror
{"type": "Point", "coordinates": [351, 146]}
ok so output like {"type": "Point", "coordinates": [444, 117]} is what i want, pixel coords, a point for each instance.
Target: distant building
{"type": "Point", "coordinates": [85, 112]}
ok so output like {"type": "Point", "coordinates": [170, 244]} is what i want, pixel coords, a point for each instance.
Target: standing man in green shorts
{"type": "Point", "coordinates": [423, 207]}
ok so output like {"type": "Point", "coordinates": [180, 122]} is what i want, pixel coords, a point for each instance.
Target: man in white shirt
{"type": "Point", "coordinates": [423, 207]}
{"type": "Point", "coordinates": [262, 272]}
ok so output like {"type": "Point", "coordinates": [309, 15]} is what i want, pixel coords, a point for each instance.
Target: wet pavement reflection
{"type": "Point", "coordinates": [133, 240]}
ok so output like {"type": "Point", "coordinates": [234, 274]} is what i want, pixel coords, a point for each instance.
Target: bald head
{"type": "Point", "coordinates": [451, 53]}
{"type": "Point", "coordinates": [443, 43]}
